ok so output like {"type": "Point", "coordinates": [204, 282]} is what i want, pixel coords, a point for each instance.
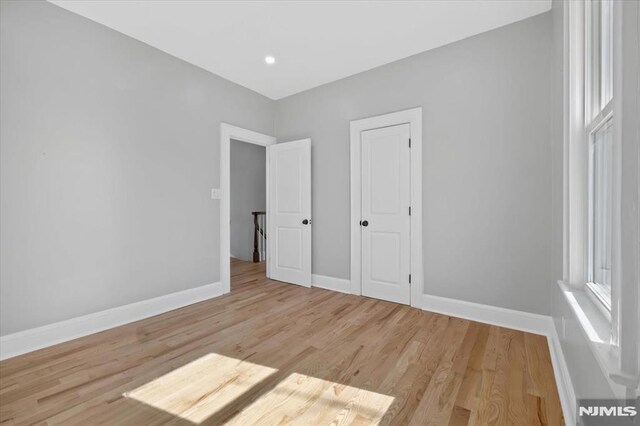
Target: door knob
{"type": "Point", "coordinates": [305, 222]}
{"type": "Point", "coordinates": [364, 223]}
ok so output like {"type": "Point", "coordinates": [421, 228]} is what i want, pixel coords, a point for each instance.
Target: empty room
{"type": "Point", "coordinates": [319, 212]}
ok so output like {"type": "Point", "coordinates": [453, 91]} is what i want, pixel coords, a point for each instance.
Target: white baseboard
{"type": "Point", "coordinates": [563, 379]}
{"type": "Point", "coordinates": [330, 283]}
{"type": "Point", "coordinates": [517, 320]}
{"type": "Point", "coordinates": [494, 315]}
{"type": "Point", "coordinates": [41, 337]}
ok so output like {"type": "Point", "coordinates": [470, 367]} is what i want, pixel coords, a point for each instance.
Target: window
{"type": "Point", "coordinates": [598, 60]}
{"type": "Point", "coordinates": [599, 134]}
{"type": "Point", "coordinates": [600, 203]}
{"type": "Point", "coordinates": [599, 231]}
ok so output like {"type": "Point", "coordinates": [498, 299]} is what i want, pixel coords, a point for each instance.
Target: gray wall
{"type": "Point", "coordinates": [487, 171]}
{"type": "Point", "coordinates": [248, 193]}
{"type": "Point", "coordinates": [109, 150]}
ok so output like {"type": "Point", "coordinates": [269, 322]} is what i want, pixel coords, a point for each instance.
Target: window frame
{"type": "Point", "coordinates": [598, 112]}
{"type": "Point", "coordinates": [601, 296]}
{"type": "Point", "coordinates": [610, 335]}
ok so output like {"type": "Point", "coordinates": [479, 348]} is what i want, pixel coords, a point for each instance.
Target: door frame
{"type": "Point", "coordinates": [229, 132]}
{"type": "Point", "coordinates": [413, 117]}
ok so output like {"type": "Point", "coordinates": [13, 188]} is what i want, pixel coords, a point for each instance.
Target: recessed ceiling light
{"type": "Point", "coordinates": [270, 60]}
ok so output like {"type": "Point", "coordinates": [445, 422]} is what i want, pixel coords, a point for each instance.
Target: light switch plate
{"type": "Point", "coordinates": [216, 193]}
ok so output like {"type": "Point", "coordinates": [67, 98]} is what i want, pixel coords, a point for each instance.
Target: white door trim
{"type": "Point", "coordinates": [414, 118]}
{"type": "Point", "coordinates": [227, 133]}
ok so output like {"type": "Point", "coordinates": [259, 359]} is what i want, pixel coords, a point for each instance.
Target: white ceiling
{"type": "Point", "coordinates": [314, 42]}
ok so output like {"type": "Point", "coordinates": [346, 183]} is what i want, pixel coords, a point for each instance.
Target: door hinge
{"type": "Point", "coordinates": [409, 210]}
{"type": "Point", "coordinates": [409, 142]}
{"type": "Point", "coordinates": [409, 278]}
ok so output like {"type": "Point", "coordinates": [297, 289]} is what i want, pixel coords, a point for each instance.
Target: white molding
{"type": "Point", "coordinates": [517, 320]}
{"type": "Point", "coordinates": [596, 329]}
{"type": "Point", "coordinates": [414, 118]}
{"type": "Point", "coordinates": [562, 376]}
{"type": "Point", "coordinates": [575, 149]}
{"type": "Point", "coordinates": [227, 133]}
{"type": "Point", "coordinates": [331, 283]}
{"type": "Point", "coordinates": [33, 339]}
{"type": "Point", "coordinates": [494, 315]}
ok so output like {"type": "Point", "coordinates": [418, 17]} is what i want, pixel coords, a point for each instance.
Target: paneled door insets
{"type": "Point", "coordinates": [289, 219]}
{"type": "Point", "coordinates": [386, 224]}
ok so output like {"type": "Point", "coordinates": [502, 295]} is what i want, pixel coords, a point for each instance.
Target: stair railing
{"type": "Point", "coordinates": [259, 236]}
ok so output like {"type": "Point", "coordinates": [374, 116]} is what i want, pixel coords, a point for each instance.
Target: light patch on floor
{"type": "Point", "coordinates": [306, 400]}
{"type": "Point", "coordinates": [198, 390]}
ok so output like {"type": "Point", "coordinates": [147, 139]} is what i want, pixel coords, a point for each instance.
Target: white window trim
{"type": "Point", "coordinates": [600, 326]}
{"type": "Point", "coordinates": [575, 150]}
{"type": "Point", "coordinates": [596, 330]}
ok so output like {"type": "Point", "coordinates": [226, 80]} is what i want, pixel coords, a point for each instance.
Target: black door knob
{"type": "Point", "coordinates": [365, 223]}
{"type": "Point", "coordinates": [305, 222]}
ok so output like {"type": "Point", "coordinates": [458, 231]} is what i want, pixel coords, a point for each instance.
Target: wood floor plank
{"type": "Point", "coordinates": [540, 372]}
{"type": "Point", "coordinates": [470, 388]}
{"type": "Point", "coordinates": [274, 353]}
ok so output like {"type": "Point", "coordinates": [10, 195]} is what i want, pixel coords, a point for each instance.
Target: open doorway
{"type": "Point", "coordinates": [248, 206]}
{"type": "Point", "coordinates": [232, 135]}
{"type": "Point", "coordinates": [281, 241]}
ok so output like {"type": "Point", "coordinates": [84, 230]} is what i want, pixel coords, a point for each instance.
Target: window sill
{"type": "Point", "coordinates": [600, 300]}
{"type": "Point", "coordinates": [597, 330]}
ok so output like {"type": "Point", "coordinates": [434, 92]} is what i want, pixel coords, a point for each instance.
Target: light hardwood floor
{"type": "Point", "coordinates": [274, 353]}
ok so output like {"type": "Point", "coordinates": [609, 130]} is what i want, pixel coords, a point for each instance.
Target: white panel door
{"type": "Point", "coordinates": [386, 224]}
{"type": "Point", "coordinates": [289, 216]}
